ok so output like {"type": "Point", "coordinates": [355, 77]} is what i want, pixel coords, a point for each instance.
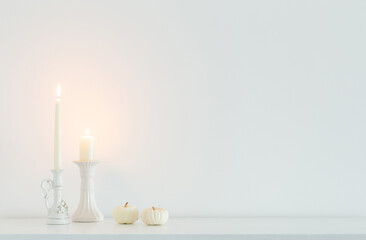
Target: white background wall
{"type": "Point", "coordinates": [206, 108]}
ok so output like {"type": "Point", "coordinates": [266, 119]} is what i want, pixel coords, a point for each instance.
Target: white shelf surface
{"type": "Point", "coordinates": [191, 228]}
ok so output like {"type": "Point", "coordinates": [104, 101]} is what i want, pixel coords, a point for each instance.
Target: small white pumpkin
{"type": "Point", "coordinates": [154, 216]}
{"type": "Point", "coordinates": [125, 214]}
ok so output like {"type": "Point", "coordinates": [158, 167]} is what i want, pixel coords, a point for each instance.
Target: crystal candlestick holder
{"type": "Point", "coordinates": [58, 211]}
{"type": "Point", "coordinates": [87, 210]}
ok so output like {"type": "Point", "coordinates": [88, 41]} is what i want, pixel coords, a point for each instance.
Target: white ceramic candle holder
{"type": "Point", "coordinates": [87, 210]}
{"type": "Point", "coordinates": [58, 211]}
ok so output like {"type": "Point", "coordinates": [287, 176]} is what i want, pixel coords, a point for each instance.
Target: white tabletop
{"type": "Point", "coordinates": [191, 228]}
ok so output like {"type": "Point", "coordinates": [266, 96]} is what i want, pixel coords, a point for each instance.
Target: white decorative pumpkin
{"type": "Point", "coordinates": [154, 216]}
{"type": "Point", "coordinates": [125, 214]}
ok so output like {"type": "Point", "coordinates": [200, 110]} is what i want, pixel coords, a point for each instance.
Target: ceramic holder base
{"type": "Point", "coordinates": [58, 211]}
{"type": "Point", "coordinates": [87, 210]}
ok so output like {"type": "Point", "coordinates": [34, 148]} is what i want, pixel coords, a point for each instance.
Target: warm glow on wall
{"type": "Point", "coordinates": [58, 90]}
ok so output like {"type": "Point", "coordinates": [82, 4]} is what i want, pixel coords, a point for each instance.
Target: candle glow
{"type": "Point", "coordinates": [58, 90]}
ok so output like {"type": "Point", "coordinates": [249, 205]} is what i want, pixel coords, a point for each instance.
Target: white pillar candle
{"type": "Point", "coordinates": [86, 147]}
{"type": "Point", "coordinates": [57, 147]}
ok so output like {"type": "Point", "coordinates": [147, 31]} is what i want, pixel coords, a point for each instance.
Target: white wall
{"type": "Point", "coordinates": [206, 108]}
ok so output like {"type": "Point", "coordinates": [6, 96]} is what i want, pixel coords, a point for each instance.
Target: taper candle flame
{"type": "Point", "coordinates": [86, 132]}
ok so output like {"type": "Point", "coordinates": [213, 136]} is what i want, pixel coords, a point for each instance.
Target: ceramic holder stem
{"type": "Point", "coordinates": [58, 211]}
{"type": "Point", "coordinates": [87, 210]}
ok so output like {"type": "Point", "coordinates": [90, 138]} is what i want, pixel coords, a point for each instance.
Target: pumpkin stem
{"type": "Point", "coordinates": [126, 204]}
{"type": "Point", "coordinates": [153, 208]}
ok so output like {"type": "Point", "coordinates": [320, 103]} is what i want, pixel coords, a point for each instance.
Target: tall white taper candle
{"type": "Point", "coordinates": [57, 148]}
